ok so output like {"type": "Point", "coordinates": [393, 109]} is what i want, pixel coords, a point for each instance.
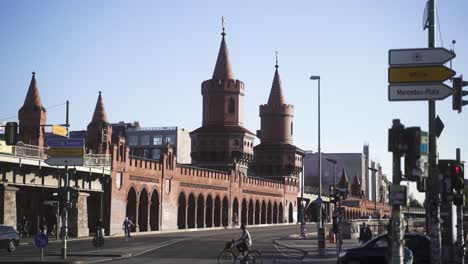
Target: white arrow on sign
{"type": "Point", "coordinates": [425, 56]}
{"type": "Point", "coordinates": [65, 161]}
{"type": "Point", "coordinates": [418, 92]}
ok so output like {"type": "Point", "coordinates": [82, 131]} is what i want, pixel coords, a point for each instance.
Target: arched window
{"type": "Point", "coordinates": [231, 108]}
{"type": "Point", "coordinates": [291, 127]}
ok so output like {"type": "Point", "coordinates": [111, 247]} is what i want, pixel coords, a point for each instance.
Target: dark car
{"type": "Point", "coordinates": [9, 238]}
{"type": "Point", "coordinates": [376, 250]}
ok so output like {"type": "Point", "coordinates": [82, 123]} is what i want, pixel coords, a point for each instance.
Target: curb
{"type": "Point", "coordinates": [147, 233]}
{"type": "Point", "coordinates": [126, 255]}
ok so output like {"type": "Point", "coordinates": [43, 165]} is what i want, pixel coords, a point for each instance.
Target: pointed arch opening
{"type": "Point", "coordinates": [251, 212]}
{"type": "Point", "coordinates": [154, 211]}
{"type": "Point", "coordinates": [191, 211]}
{"type": "Point", "coordinates": [291, 213]}
{"type": "Point", "coordinates": [235, 210]}
{"type": "Point", "coordinates": [209, 211]}
{"type": "Point", "coordinates": [217, 211]}
{"type": "Point", "coordinates": [181, 211]}
{"type": "Point", "coordinates": [257, 213]}
{"type": "Point", "coordinates": [131, 209]}
{"type": "Point", "coordinates": [143, 211]}
{"type": "Point", "coordinates": [269, 213]}
{"type": "Point", "coordinates": [225, 211]}
{"type": "Point", "coordinates": [263, 213]}
{"type": "Point", "coordinates": [275, 213]}
{"type": "Point", "coordinates": [231, 106]}
{"type": "Point", "coordinates": [200, 211]}
{"type": "Point", "coordinates": [244, 212]}
{"type": "Point", "coordinates": [280, 214]}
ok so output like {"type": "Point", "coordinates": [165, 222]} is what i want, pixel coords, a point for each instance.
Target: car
{"type": "Point", "coordinates": [376, 250]}
{"type": "Point", "coordinates": [9, 238]}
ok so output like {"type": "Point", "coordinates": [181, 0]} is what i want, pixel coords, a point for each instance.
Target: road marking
{"type": "Point", "coordinates": [164, 244]}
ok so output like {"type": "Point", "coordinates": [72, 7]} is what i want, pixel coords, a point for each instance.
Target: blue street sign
{"type": "Point", "coordinates": [319, 201]}
{"type": "Point", "coordinates": [41, 240]}
{"type": "Point", "coordinates": [65, 143]}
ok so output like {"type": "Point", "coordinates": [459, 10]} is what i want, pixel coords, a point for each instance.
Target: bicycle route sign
{"type": "Point", "coordinates": [41, 240]}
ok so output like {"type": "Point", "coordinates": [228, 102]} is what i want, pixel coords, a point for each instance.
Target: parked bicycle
{"type": "Point", "coordinates": [230, 254]}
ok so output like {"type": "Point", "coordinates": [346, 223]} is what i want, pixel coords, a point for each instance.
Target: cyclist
{"type": "Point", "coordinates": [245, 241]}
{"type": "Point", "coordinates": [126, 226]}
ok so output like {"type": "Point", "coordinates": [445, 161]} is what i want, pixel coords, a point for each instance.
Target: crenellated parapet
{"type": "Point", "coordinates": [284, 109]}
{"type": "Point", "coordinates": [222, 86]}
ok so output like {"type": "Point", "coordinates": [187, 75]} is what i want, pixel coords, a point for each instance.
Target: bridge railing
{"type": "Point", "coordinates": [22, 150]}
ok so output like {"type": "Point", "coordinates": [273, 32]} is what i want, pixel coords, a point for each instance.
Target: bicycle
{"type": "Point", "coordinates": [230, 254]}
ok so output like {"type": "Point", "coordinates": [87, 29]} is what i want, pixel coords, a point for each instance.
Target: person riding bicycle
{"type": "Point", "coordinates": [126, 226]}
{"type": "Point", "coordinates": [245, 241]}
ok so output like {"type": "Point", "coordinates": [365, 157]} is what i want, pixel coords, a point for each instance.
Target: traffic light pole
{"type": "Point", "coordinates": [432, 194]}
{"type": "Point", "coordinates": [459, 256]}
{"type": "Point", "coordinates": [396, 234]}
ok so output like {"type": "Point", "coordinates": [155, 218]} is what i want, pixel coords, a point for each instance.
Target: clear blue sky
{"type": "Point", "coordinates": [149, 58]}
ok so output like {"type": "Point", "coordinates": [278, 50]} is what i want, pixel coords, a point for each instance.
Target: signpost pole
{"type": "Point", "coordinates": [432, 194]}
{"type": "Point", "coordinates": [65, 234]}
{"type": "Point", "coordinates": [42, 254]}
{"type": "Point", "coordinates": [460, 249]}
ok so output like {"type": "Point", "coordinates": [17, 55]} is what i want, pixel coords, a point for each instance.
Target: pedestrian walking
{"type": "Point", "coordinates": [126, 226]}
{"type": "Point", "coordinates": [43, 225]}
{"type": "Point", "coordinates": [25, 225]}
{"type": "Point", "coordinates": [365, 233]}
{"type": "Point", "coordinates": [234, 220]}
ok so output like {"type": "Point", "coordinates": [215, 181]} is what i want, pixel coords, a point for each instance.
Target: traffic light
{"type": "Point", "coordinates": [454, 170]}
{"type": "Point", "coordinates": [11, 130]}
{"type": "Point", "coordinates": [412, 136]}
{"type": "Point", "coordinates": [458, 93]}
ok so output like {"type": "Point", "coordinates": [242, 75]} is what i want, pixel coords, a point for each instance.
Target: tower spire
{"type": "Point", "coordinates": [223, 70]}
{"type": "Point", "coordinates": [99, 111]}
{"type": "Point", "coordinates": [32, 97]}
{"type": "Point", "coordinates": [276, 92]}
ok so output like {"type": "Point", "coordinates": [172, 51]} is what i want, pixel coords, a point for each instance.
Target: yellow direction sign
{"type": "Point", "coordinates": [59, 130]}
{"type": "Point", "coordinates": [419, 74]}
{"type": "Point", "coordinates": [65, 152]}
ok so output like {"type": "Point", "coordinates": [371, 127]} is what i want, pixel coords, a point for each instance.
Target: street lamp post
{"type": "Point", "coordinates": [321, 230]}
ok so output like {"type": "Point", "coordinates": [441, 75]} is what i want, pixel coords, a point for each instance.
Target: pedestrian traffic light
{"type": "Point", "coordinates": [454, 170]}
{"type": "Point", "coordinates": [412, 136]}
{"type": "Point", "coordinates": [458, 93]}
{"type": "Point", "coordinates": [11, 133]}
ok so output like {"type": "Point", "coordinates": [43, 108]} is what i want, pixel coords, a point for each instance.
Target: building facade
{"type": "Point", "coordinates": [148, 142]}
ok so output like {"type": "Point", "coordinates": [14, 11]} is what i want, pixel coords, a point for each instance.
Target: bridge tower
{"type": "Point", "coordinates": [222, 140]}
{"type": "Point", "coordinates": [32, 116]}
{"type": "Point", "coordinates": [276, 156]}
{"type": "Point", "coordinates": [99, 131]}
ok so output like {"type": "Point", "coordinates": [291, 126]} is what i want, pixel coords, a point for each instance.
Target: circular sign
{"type": "Point", "coordinates": [98, 241]}
{"type": "Point", "coordinates": [319, 201]}
{"type": "Point", "coordinates": [41, 240]}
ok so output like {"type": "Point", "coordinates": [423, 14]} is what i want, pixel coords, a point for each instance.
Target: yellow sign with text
{"type": "Point", "coordinates": [419, 74]}
{"type": "Point", "coordinates": [59, 130]}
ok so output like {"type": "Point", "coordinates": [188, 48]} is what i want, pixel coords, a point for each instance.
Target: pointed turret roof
{"type": "Point", "coordinates": [356, 180]}
{"type": "Point", "coordinates": [276, 93]}
{"type": "Point", "coordinates": [343, 180]}
{"type": "Point", "coordinates": [33, 98]}
{"type": "Point", "coordinates": [223, 70]}
{"type": "Point", "coordinates": [99, 112]}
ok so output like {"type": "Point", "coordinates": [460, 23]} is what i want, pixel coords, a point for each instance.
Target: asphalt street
{"type": "Point", "coordinates": [183, 247]}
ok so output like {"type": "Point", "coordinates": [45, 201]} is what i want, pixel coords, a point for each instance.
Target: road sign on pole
{"type": "Point", "coordinates": [65, 152]}
{"type": "Point", "coordinates": [424, 56]}
{"type": "Point", "coordinates": [65, 161]}
{"type": "Point", "coordinates": [419, 74]}
{"type": "Point", "coordinates": [418, 92]}
{"type": "Point", "coordinates": [65, 143]}
{"type": "Point", "coordinates": [59, 130]}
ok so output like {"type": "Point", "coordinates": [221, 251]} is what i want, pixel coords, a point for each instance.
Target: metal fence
{"type": "Point", "coordinates": [22, 150]}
